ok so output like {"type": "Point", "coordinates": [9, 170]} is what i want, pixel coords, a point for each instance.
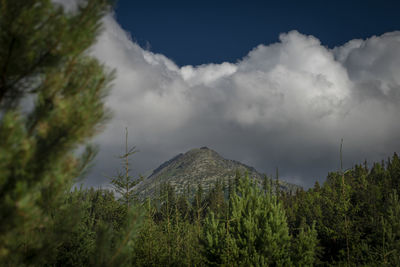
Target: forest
{"type": "Point", "coordinates": [52, 94]}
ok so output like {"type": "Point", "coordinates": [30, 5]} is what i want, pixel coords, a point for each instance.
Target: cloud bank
{"type": "Point", "coordinates": [284, 105]}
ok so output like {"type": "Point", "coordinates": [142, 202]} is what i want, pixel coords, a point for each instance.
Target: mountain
{"type": "Point", "coordinates": [199, 165]}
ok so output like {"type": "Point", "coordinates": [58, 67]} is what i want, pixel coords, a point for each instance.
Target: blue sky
{"type": "Point", "coordinates": [200, 32]}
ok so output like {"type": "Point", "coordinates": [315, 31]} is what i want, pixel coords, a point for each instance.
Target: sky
{"type": "Point", "coordinates": [201, 32]}
{"type": "Point", "coordinates": [273, 84]}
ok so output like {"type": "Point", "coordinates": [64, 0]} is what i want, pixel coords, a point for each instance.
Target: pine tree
{"type": "Point", "coordinates": [255, 233]}
{"type": "Point", "coordinates": [104, 232]}
{"type": "Point", "coordinates": [265, 183]}
{"type": "Point", "coordinates": [259, 228]}
{"type": "Point", "coordinates": [214, 240]}
{"type": "Point", "coordinates": [394, 171]}
{"type": "Point", "coordinates": [390, 251]}
{"type": "Point", "coordinates": [51, 103]}
{"type": "Point", "coordinates": [305, 246]}
{"type": "Point", "coordinates": [216, 199]}
{"type": "Point", "coordinates": [238, 176]}
{"type": "Point", "coordinates": [124, 183]}
{"type": "Point", "coordinates": [198, 207]}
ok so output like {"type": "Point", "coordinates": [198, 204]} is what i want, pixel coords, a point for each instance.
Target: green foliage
{"type": "Point", "coordinates": [390, 250]}
{"type": "Point", "coordinates": [105, 231]}
{"type": "Point", "coordinates": [216, 198]}
{"type": "Point", "coordinates": [168, 238]}
{"type": "Point", "coordinates": [305, 246]}
{"type": "Point", "coordinates": [355, 214]}
{"type": "Point", "coordinates": [44, 64]}
{"type": "Point", "coordinates": [255, 233]}
{"type": "Point", "coordinates": [259, 227]}
{"type": "Point", "coordinates": [215, 240]}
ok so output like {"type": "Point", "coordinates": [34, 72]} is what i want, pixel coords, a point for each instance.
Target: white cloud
{"type": "Point", "coordinates": [286, 104]}
{"type": "Point", "coordinates": [207, 74]}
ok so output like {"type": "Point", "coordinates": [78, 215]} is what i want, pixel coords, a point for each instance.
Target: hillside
{"type": "Point", "coordinates": [197, 166]}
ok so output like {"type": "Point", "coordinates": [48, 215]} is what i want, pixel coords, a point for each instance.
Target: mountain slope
{"type": "Point", "coordinates": [197, 166]}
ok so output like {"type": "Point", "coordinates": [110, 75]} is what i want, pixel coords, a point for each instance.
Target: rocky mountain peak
{"type": "Point", "coordinates": [197, 166]}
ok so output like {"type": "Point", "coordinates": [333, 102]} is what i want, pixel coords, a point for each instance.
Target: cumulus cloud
{"type": "Point", "coordinates": [284, 105]}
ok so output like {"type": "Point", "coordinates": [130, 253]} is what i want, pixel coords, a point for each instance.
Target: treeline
{"type": "Point", "coordinates": [356, 215]}
{"type": "Point", "coordinates": [353, 219]}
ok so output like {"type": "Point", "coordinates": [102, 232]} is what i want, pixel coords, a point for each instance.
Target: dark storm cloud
{"type": "Point", "coordinates": [284, 105]}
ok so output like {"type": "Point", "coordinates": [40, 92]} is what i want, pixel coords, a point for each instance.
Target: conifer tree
{"type": "Point", "coordinates": [214, 240]}
{"type": "Point", "coordinates": [183, 206]}
{"type": "Point", "coordinates": [51, 103]}
{"type": "Point", "coordinates": [198, 206]}
{"type": "Point", "coordinates": [265, 183]}
{"type": "Point", "coordinates": [104, 234]}
{"type": "Point", "coordinates": [238, 176]}
{"type": "Point", "coordinates": [259, 228]}
{"type": "Point", "coordinates": [390, 252]}
{"type": "Point", "coordinates": [394, 171]}
{"type": "Point", "coordinates": [258, 233]}
{"type": "Point", "coordinates": [124, 183]}
{"type": "Point", "coordinates": [305, 246]}
{"type": "Point", "coordinates": [216, 199]}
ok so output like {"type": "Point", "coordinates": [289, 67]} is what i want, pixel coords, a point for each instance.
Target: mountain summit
{"type": "Point", "coordinates": [197, 166]}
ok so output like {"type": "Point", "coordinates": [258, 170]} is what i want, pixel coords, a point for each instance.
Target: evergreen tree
{"type": "Point", "coordinates": [183, 206]}
{"type": "Point", "coordinates": [256, 232]}
{"type": "Point", "coordinates": [390, 252]}
{"type": "Point", "coordinates": [216, 199]}
{"type": "Point", "coordinates": [305, 246]}
{"type": "Point", "coordinates": [214, 240]}
{"type": "Point", "coordinates": [104, 234]}
{"type": "Point", "coordinates": [51, 103]}
{"type": "Point", "coordinates": [259, 228]}
{"type": "Point", "coordinates": [265, 183]}
{"type": "Point", "coordinates": [124, 183]}
{"type": "Point", "coordinates": [198, 206]}
{"type": "Point", "coordinates": [394, 172]}
{"type": "Point", "coordinates": [238, 176]}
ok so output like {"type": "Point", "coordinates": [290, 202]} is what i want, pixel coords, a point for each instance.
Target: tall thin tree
{"type": "Point", "coordinates": [124, 183]}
